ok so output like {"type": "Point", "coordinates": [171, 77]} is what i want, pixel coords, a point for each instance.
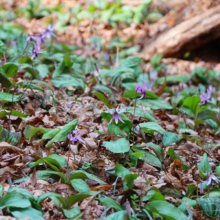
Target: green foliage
{"type": "Point", "coordinates": [204, 166]}
{"type": "Point", "coordinates": [120, 146]}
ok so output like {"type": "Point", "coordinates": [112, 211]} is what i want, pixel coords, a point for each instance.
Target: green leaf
{"type": "Point", "coordinates": [130, 61]}
{"type": "Point", "coordinates": [102, 97]}
{"type": "Point", "coordinates": [148, 157]}
{"type": "Point", "coordinates": [152, 126]}
{"type": "Point", "coordinates": [30, 131]}
{"type": "Point", "coordinates": [170, 138]}
{"type": "Point", "coordinates": [129, 178]}
{"type": "Point", "coordinates": [67, 61]}
{"type": "Point", "coordinates": [167, 210]}
{"type": "Point", "coordinates": [210, 207]}
{"type": "Point", "coordinates": [13, 113]}
{"type": "Point", "coordinates": [155, 104]}
{"type": "Point", "coordinates": [192, 103]}
{"type": "Point", "coordinates": [140, 113]}
{"type": "Point", "coordinates": [4, 79]}
{"type": "Point", "coordinates": [1, 190]}
{"type": "Point", "coordinates": [204, 166]}
{"type": "Point", "coordinates": [132, 93]}
{"type": "Point", "coordinates": [191, 202]}
{"type": "Point", "coordinates": [190, 190]}
{"type": "Point", "coordinates": [122, 145]}
{"type": "Point", "coordinates": [29, 212]}
{"type": "Point", "coordinates": [63, 133]}
{"type": "Point", "coordinates": [108, 202]}
{"type": "Point", "coordinates": [117, 215]}
{"type": "Point", "coordinates": [175, 193]}
{"type": "Point", "coordinates": [12, 199]}
{"type": "Point", "coordinates": [12, 138]}
{"type": "Point", "coordinates": [72, 212]}
{"type": "Point", "coordinates": [155, 60]}
{"type": "Point", "coordinates": [79, 197]}
{"type": "Point", "coordinates": [10, 69]}
{"type": "Point", "coordinates": [66, 80]}
{"type": "Point", "coordinates": [156, 148]}
{"type": "Point", "coordinates": [206, 114]}
{"type": "Point", "coordinates": [21, 43]}
{"type": "Point", "coordinates": [57, 198]}
{"type": "Point", "coordinates": [199, 74]}
{"type": "Point", "coordinates": [50, 134]}
{"type": "Point", "coordinates": [153, 195]}
{"type": "Point", "coordinates": [103, 89]}
{"type": "Point", "coordinates": [59, 70]}
{"type": "Point", "coordinates": [80, 185]}
{"type": "Point", "coordinates": [7, 97]}
{"type": "Point", "coordinates": [173, 78]}
{"type": "Point", "coordinates": [81, 174]}
{"type": "Point", "coordinates": [3, 48]}
{"type": "Point", "coordinates": [121, 171]}
{"type": "Point", "coordinates": [174, 156]}
{"type": "Point", "coordinates": [43, 83]}
{"type": "Point", "coordinates": [59, 161]}
{"type": "Point", "coordinates": [43, 70]}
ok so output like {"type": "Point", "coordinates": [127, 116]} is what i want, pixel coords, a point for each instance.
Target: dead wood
{"type": "Point", "coordinates": [187, 36]}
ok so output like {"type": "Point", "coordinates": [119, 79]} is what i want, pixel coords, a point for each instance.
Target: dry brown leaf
{"type": "Point", "coordinates": [162, 87]}
{"type": "Point", "coordinates": [169, 178]}
{"type": "Point", "coordinates": [90, 143]}
{"type": "Point", "coordinates": [33, 179]}
{"type": "Point", "coordinates": [29, 108]}
{"type": "Point", "coordinates": [10, 148]}
{"type": "Point", "coordinates": [140, 183]}
{"type": "Point", "coordinates": [101, 187]}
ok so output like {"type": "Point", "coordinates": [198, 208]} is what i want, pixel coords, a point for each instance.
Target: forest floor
{"type": "Point", "coordinates": [91, 128]}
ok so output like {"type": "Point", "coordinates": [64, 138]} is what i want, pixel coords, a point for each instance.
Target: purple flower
{"type": "Point", "coordinates": [201, 188]}
{"type": "Point", "coordinates": [30, 38]}
{"type": "Point", "coordinates": [211, 179]}
{"type": "Point", "coordinates": [128, 208]}
{"type": "Point", "coordinates": [115, 115]}
{"type": "Point", "coordinates": [48, 32]}
{"type": "Point", "coordinates": [143, 89]}
{"type": "Point", "coordinates": [74, 137]}
{"type": "Point", "coordinates": [35, 51]}
{"type": "Point", "coordinates": [204, 98]}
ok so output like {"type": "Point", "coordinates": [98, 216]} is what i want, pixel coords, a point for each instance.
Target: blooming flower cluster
{"type": "Point", "coordinates": [212, 179]}
{"type": "Point", "coordinates": [39, 38]}
{"type": "Point", "coordinates": [143, 89]}
{"type": "Point", "coordinates": [75, 137]}
{"type": "Point", "coordinates": [204, 98]}
{"type": "Point", "coordinates": [115, 115]}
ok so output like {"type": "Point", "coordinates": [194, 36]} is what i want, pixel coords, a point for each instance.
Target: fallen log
{"type": "Point", "coordinates": [186, 36]}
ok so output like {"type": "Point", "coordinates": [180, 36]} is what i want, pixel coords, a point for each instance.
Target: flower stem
{"type": "Point", "coordinates": [197, 113]}
{"type": "Point", "coordinates": [67, 172]}
{"type": "Point", "coordinates": [134, 113]}
{"type": "Point", "coordinates": [111, 130]}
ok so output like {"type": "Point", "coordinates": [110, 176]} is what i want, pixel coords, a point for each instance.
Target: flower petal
{"type": "Point", "coordinates": [110, 120]}
{"type": "Point", "coordinates": [79, 138]}
{"type": "Point", "coordinates": [123, 110]}
{"type": "Point", "coordinates": [109, 111]}
{"type": "Point", "coordinates": [120, 119]}
{"type": "Point", "coordinates": [150, 86]}
{"type": "Point", "coordinates": [116, 117]}
{"type": "Point", "coordinates": [145, 84]}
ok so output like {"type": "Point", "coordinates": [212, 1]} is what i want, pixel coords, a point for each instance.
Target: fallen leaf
{"type": "Point", "coordinates": [10, 148]}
